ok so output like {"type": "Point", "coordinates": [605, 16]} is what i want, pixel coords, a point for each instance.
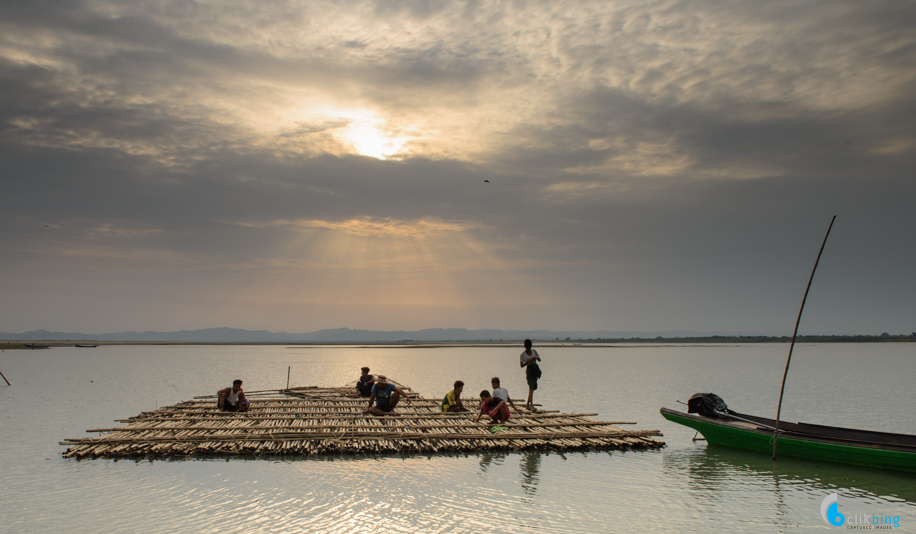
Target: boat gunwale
{"type": "Point", "coordinates": [803, 436]}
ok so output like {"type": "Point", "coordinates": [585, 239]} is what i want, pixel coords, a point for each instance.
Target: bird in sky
{"type": "Point", "coordinates": [487, 181]}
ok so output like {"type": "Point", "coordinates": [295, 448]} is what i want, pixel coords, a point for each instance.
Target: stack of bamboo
{"type": "Point", "coordinates": [312, 420]}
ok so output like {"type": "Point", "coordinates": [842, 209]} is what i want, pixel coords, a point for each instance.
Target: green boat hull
{"type": "Point", "coordinates": [730, 436]}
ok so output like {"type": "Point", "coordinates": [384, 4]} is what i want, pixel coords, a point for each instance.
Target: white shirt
{"type": "Point", "coordinates": [501, 393]}
{"type": "Point", "coordinates": [525, 358]}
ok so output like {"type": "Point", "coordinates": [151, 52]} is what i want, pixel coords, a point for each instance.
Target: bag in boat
{"type": "Point", "coordinates": [706, 404]}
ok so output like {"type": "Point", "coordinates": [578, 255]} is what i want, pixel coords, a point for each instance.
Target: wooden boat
{"type": "Point", "coordinates": [34, 346]}
{"type": "Point", "coordinates": [85, 346]}
{"type": "Point", "coordinates": [803, 440]}
{"type": "Point", "coordinates": [721, 426]}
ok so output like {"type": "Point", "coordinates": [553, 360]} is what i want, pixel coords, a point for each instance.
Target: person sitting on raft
{"type": "Point", "coordinates": [386, 397]}
{"type": "Point", "coordinates": [365, 383]}
{"type": "Point", "coordinates": [452, 401]}
{"type": "Point", "coordinates": [500, 392]}
{"type": "Point", "coordinates": [232, 399]}
{"type": "Point", "coordinates": [494, 407]}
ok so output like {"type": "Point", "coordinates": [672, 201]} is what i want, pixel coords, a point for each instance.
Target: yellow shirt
{"type": "Point", "coordinates": [449, 401]}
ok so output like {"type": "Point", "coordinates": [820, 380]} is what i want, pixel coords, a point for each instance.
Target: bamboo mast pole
{"type": "Point", "coordinates": [782, 389]}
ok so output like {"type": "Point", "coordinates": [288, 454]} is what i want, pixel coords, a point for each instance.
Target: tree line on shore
{"type": "Point", "coordinates": [856, 338]}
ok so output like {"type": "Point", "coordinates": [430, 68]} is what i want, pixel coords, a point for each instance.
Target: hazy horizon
{"type": "Point", "coordinates": [400, 166]}
{"type": "Point", "coordinates": [432, 335]}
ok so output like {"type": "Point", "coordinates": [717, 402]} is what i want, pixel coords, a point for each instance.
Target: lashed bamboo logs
{"type": "Point", "coordinates": [310, 421]}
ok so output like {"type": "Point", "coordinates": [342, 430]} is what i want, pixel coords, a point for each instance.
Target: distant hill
{"type": "Point", "coordinates": [345, 335]}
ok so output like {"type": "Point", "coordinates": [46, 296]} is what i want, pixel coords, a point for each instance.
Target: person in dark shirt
{"type": "Point", "coordinates": [365, 383]}
{"type": "Point", "coordinates": [385, 396]}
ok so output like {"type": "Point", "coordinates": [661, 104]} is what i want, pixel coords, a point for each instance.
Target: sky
{"type": "Point", "coordinates": [607, 165]}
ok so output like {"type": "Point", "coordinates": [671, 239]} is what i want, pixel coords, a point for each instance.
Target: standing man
{"type": "Point", "coordinates": [232, 399]}
{"type": "Point", "coordinates": [386, 397]}
{"type": "Point", "coordinates": [528, 360]}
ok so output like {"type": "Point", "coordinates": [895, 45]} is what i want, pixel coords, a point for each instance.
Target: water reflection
{"type": "Point", "coordinates": [892, 486]}
{"type": "Point", "coordinates": [783, 508]}
{"type": "Point", "coordinates": [531, 466]}
{"type": "Point", "coordinates": [487, 458]}
{"type": "Point", "coordinates": [792, 489]}
{"type": "Point", "coordinates": [529, 463]}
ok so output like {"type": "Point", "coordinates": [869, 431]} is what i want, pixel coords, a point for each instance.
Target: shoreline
{"type": "Point", "coordinates": [572, 343]}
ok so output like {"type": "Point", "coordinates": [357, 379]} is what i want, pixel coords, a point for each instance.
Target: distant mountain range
{"type": "Point", "coordinates": [345, 335]}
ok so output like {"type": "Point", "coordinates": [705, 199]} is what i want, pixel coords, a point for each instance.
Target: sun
{"type": "Point", "coordinates": [369, 140]}
{"type": "Point", "coordinates": [355, 130]}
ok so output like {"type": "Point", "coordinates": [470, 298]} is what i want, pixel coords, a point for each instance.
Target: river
{"type": "Point", "coordinates": [684, 487]}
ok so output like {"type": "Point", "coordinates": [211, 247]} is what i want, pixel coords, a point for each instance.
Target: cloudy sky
{"type": "Point", "coordinates": [652, 165]}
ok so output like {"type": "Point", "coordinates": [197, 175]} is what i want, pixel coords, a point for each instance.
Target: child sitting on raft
{"type": "Point", "coordinates": [500, 392]}
{"type": "Point", "coordinates": [494, 407]}
{"type": "Point", "coordinates": [452, 400]}
{"type": "Point", "coordinates": [365, 383]}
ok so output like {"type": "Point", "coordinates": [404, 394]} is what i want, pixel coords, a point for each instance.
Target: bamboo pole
{"type": "Point", "coordinates": [259, 391]}
{"type": "Point", "coordinates": [264, 406]}
{"type": "Point", "coordinates": [380, 447]}
{"type": "Point", "coordinates": [352, 427]}
{"type": "Point", "coordinates": [342, 415]}
{"type": "Point", "coordinates": [4, 379]}
{"type": "Point", "coordinates": [782, 389]}
{"type": "Point", "coordinates": [338, 436]}
{"type": "Point", "coordinates": [306, 401]}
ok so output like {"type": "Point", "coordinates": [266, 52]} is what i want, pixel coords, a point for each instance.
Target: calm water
{"type": "Point", "coordinates": [687, 487]}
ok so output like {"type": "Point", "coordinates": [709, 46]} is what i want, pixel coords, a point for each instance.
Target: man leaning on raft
{"type": "Point", "coordinates": [232, 399]}
{"type": "Point", "coordinates": [386, 397]}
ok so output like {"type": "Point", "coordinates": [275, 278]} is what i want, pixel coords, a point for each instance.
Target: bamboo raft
{"type": "Point", "coordinates": [307, 421]}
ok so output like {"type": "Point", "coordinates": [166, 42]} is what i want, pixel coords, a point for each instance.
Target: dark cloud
{"type": "Point", "coordinates": [652, 166]}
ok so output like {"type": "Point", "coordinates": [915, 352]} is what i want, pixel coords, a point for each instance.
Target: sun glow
{"type": "Point", "coordinates": [359, 131]}
{"type": "Point", "coordinates": [369, 140]}
{"type": "Point", "coordinates": [424, 270]}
